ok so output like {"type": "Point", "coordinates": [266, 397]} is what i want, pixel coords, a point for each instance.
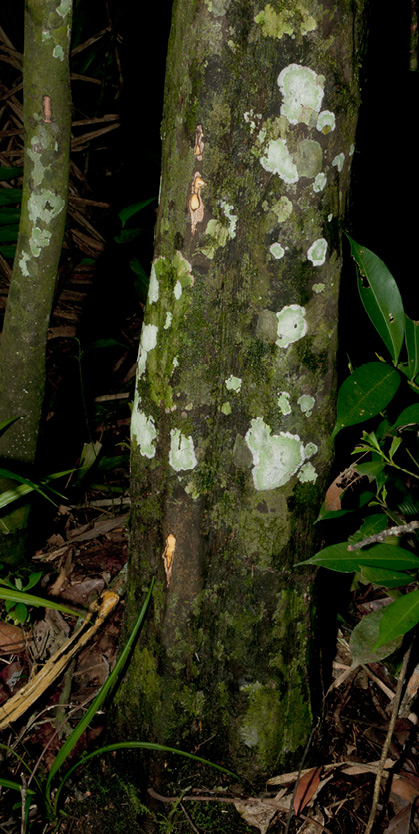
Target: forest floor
{"type": "Point", "coordinates": [80, 550]}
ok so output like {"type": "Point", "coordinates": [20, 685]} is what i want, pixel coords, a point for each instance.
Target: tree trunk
{"type": "Point", "coordinates": [47, 120]}
{"type": "Point", "coordinates": [234, 404]}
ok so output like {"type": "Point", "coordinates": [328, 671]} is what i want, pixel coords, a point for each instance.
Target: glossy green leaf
{"type": "Point", "coordinates": [6, 423]}
{"type": "Point", "coordinates": [9, 216]}
{"type": "Point", "coordinates": [412, 345]}
{"type": "Point", "coordinates": [401, 616]}
{"type": "Point", "coordinates": [381, 576]}
{"type": "Point", "coordinates": [408, 417]}
{"type": "Point", "coordinates": [365, 393]}
{"type": "Point", "coordinates": [337, 557]}
{"type": "Point", "coordinates": [9, 233]}
{"type": "Point", "coordinates": [8, 196]}
{"type": "Point", "coordinates": [370, 468]}
{"type": "Point", "coordinates": [129, 211]}
{"type": "Point", "coordinates": [381, 298]}
{"type": "Point", "coordinates": [16, 596]}
{"type": "Point", "coordinates": [362, 643]}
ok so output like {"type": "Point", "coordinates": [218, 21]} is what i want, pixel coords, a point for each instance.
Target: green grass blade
{"type": "Point", "coordinates": [138, 745]}
{"type": "Point", "coordinates": [107, 686]}
{"type": "Point", "coordinates": [30, 599]}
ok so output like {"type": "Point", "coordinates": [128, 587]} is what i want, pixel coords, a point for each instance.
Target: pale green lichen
{"type": "Point", "coordinates": [277, 251]}
{"type": "Point", "coordinates": [58, 52]}
{"type": "Point", "coordinates": [317, 252]}
{"type": "Point", "coordinates": [38, 240]}
{"type": "Point", "coordinates": [310, 450]}
{"type": "Point", "coordinates": [326, 121]}
{"type": "Point", "coordinates": [218, 233]}
{"type": "Point", "coordinates": [217, 7]}
{"type": "Point", "coordinates": [292, 325]}
{"type": "Point", "coordinates": [303, 92]}
{"type": "Point", "coordinates": [338, 161]}
{"type": "Point", "coordinates": [233, 383]}
{"type": "Point", "coordinates": [276, 458]}
{"type": "Point", "coordinates": [307, 473]}
{"type": "Point", "coordinates": [64, 8]}
{"type": "Point", "coordinates": [308, 158]}
{"type": "Point", "coordinates": [46, 36]}
{"type": "Point", "coordinates": [153, 287]}
{"type": "Point", "coordinates": [148, 342]}
{"type": "Point", "coordinates": [320, 182]}
{"type": "Point", "coordinates": [284, 403]}
{"type": "Point", "coordinates": [226, 408]}
{"type": "Point", "coordinates": [351, 149]}
{"type": "Point", "coordinates": [306, 404]}
{"type": "Point", "coordinates": [23, 263]}
{"type": "Point", "coordinates": [278, 160]}
{"type": "Point", "coordinates": [177, 290]}
{"type": "Point", "coordinates": [277, 24]}
{"type": "Point", "coordinates": [330, 218]}
{"type": "Point", "coordinates": [169, 317]}
{"type": "Point", "coordinates": [44, 205]}
{"type": "Point", "coordinates": [282, 209]}
{"type": "Point", "coordinates": [182, 454]}
{"type": "Point", "coordinates": [318, 288]}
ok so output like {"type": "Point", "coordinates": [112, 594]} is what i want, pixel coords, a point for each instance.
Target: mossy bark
{"type": "Point", "coordinates": [47, 121]}
{"type": "Point", "coordinates": [235, 397]}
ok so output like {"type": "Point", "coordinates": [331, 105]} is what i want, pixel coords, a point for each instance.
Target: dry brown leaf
{"type": "Point", "coordinates": [12, 639]}
{"type": "Point", "coordinates": [400, 824]}
{"type": "Point", "coordinates": [406, 786]}
{"type": "Point", "coordinates": [306, 789]}
{"type": "Point", "coordinates": [333, 495]}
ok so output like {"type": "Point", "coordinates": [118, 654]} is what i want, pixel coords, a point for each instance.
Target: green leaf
{"type": "Point", "coordinates": [9, 196]}
{"type": "Point", "coordinates": [8, 251]}
{"type": "Point", "coordinates": [16, 596]}
{"type": "Point", "coordinates": [412, 345]}
{"type": "Point", "coordinates": [387, 578]}
{"type": "Point", "coordinates": [9, 173]}
{"type": "Point", "coordinates": [128, 235]}
{"type": "Point", "coordinates": [399, 618]}
{"type": "Point", "coordinates": [9, 233]}
{"type": "Point", "coordinates": [365, 393]}
{"type": "Point", "coordinates": [408, 417]}
{"type": "Point", "coordinates": [375, 523]}
{"type": "Point", "coordinates": [370, 468]}
{"type": "Point", "coordinates": [4, 425]}
{"type": "Point", "coordinates": [337, 557]}
{"type": "Point", "coordinates": [9, 216]}
{"type": "Point", "coordinates": [325, 515]}
{"type": "Point", "coordinates": [362, 643]}
{"type": "Point", "coordinates": [129, 211]}
{"type": "Point", "coordinates": [381, 298]}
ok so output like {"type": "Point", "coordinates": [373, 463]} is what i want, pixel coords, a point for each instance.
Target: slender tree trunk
{"type": "Point", "coordinates": [234, 403]}
{"type": "Point", "coordinates": [47, 120]}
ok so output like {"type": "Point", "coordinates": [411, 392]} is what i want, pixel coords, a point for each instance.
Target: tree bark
{"type": "Point", "coordinates": [235, 395]}
{"type": "Point", "coordinates": [47, 120]}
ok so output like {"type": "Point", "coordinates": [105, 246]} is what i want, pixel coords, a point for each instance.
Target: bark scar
{"type": "Point", "coordinates": [46, 106]}
{"type": "Point", "coordinates": [196, 205]}
{"type": "Point", "coordinates": [168, 556]}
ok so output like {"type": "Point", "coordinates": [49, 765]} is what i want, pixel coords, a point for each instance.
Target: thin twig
{"type": "Point", "coordinates": [300, 769]}
{"type": "Point", "coordinates": [380, 537]}
{"type": "Point", "coordinates": [194, 828]}
{"type": "Point", "coordinates": [386, 745]}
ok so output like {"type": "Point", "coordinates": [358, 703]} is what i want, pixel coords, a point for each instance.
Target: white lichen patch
{"type": "Point", "coordinates": [303, 91]}
{"type": "Point", "coordinates": [338, 161]}
{"type": "Point", "coordinates": [38, 240]}
{"type": "Point", "coordinates": [226, 408]}
{"type": "Point", "coordinates": [278, 160]}
{"type": "Point", "coordinates": [148, 342]}
{"type": "Point", "coordinates": [306, 404]}
{"type": "Point", "coordinates": [177, 290]}
{"type": "Point", "coordinates": [143, 432]}
{"type": "Point", "coordinates": [320, 182]}
{"type": "Point", "coordinates": [284, 403]}
{"type": "Point", "coordinates": [282, 209]}
{"type": "Point", "coordinates": [317, 252]}
{"type": "Point", "coordinates": [58, 52]}
{"type": "Point", "coordinates": [23, 263]}
{"type": "Point", "coordinates": [318, 288]}
{"type": "Point", "coordinates": [276, 458]}
{"type": "Point", "coordinates": [326, 121]}
{"type": "Point", "coordinates": [330, 218]}
{"type": "Point", "coordinates": [233, 383]}
{"type": "Point", "coordinates": [292, 325]}
{"type": "Point", "coordinates": [168, 321]}
{"type": "Point", "coordinates": [44, 205]}
{"type": "Point", "coordinates": [277, 251]}
{"type": "Point", "coordinates": [64, 8]}
{"type": "Point", "coordinates": [308, 158]}
{"type": "Point", "coordinates": [351, 150]}
{"type": "Point", "coordinates": [182, 454]}
{"type": "Point", "coordinates": [307, 473]}
{"type": "Point", "coordinates": [183, 270]}
{"type": "Point", "coordinates": [153, 287]}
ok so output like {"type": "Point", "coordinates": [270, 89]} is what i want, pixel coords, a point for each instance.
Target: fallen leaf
{"type": "Point", "coordinates": [400, 823]}
{"type": "Point", "coordinates": [12, 639]}
{"type": "Point", "coordinates": [406, 786]}
{"type": "Point", "coordinates": [306, 788]}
